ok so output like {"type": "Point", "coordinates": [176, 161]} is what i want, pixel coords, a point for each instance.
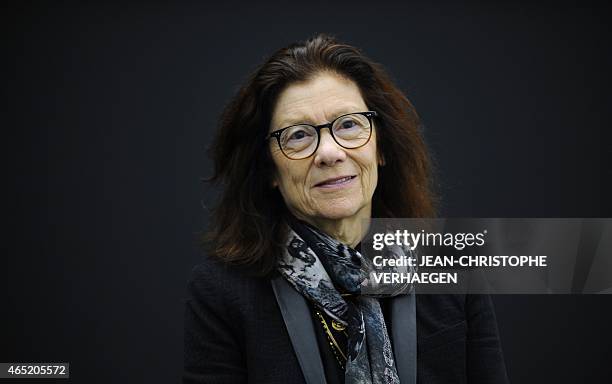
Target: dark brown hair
{"type": "Point", "coordinates": [248, 224]}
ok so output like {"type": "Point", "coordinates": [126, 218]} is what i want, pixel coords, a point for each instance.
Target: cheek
{"type": "Point", "coordinates": [370, 170]}
{"type": "Point", "coordinates": [291, 180]}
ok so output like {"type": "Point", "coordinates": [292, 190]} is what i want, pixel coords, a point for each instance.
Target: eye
{"type": "Point", "coordinates": [298, 135]}
{"type": "Point", "coordinates": [347, 124]}
{"type": "Point", "coordinates": [350, 123]}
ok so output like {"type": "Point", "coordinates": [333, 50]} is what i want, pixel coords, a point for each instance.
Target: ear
{"type": "Point", "coordinates": [274, 182]}
{"type": "Point", "coordinates": [381, 159]}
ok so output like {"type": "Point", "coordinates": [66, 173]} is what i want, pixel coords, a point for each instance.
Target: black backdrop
{"type": "Point", "coordinates": [109, 108]}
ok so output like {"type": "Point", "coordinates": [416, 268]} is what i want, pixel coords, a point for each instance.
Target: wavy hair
{"type": "Point", "coordinates": [249, 221]}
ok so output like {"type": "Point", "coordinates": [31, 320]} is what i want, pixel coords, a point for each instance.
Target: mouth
{"type": "Point", "coordinates": [336, 182]}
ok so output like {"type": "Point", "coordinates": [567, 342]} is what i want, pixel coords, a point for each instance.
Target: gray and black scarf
{"type": "Point", "coordinates": [331, 275]}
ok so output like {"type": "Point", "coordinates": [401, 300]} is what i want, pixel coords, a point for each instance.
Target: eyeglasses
{"type": "Point", "coordinates": [350, 131]}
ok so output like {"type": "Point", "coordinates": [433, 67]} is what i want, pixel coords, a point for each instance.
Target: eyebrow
{"type": "Point", "coordinates": [303, 119]}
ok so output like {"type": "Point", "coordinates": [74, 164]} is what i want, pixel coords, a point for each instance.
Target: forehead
{"type": "Point", "coordinates": [317, 100]}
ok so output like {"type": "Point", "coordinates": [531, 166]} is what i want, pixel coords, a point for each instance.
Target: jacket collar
{"type": "Point", "coordinates": [298, 321]}
{"type": "Point", "coordinates": [296, 315]}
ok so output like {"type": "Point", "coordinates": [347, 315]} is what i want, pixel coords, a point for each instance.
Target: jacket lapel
{"type": "Point", "coordinates": [404, 336]}
{"type": "Point", "coordinates": [298, 321]}
{"type": "Point", "coordinates": [297, 318]}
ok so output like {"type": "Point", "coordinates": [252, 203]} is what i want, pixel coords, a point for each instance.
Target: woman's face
{"type": "Point", "coordinates": [310, 186]}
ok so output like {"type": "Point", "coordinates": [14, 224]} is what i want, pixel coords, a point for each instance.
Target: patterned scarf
{"type": "Point", "coordinates": [323, 270]}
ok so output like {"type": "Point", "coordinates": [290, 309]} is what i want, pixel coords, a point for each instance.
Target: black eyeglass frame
{"type": "Point", "coordinates": [317, 128]}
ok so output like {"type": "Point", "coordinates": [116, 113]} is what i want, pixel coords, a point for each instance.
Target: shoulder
{"type": "Point", "coordinates": [214, 274]}
{"type": "Point", "coordinates": [458, 307]}
{"type": "Point", "coordinates": [213, 280]}
{"type": "Point", "coordinates": [441, 305]}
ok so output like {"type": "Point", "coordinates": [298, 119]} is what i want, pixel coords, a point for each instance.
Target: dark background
{"type": "Point", "coordinates": [108, 110]}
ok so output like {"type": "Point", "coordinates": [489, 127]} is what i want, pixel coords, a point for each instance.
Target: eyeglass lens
{"type": "Point", "coordinates": [349, 131]}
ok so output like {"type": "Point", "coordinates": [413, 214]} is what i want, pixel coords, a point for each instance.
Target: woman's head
{"type": "Point", "coordinates": [330, 174]}
{"type": "Point", "coordinates": [314, 82]}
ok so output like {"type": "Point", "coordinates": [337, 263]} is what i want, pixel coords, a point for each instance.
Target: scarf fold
{"type": "Point", "coordinates": [331, 275]}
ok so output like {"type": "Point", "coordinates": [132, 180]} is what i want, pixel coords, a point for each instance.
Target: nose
{"type": "Point", "coordinates": [329, 152]}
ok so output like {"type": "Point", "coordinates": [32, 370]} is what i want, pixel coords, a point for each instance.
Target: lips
{"type": "Point", "coordinates": [335, 181]}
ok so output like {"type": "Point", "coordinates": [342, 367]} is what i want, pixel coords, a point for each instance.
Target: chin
{"type": "Point", "coordinates": [339, 210]}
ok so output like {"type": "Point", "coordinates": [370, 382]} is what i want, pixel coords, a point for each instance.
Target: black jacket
{"type": "Point", "coordinates": [236, 332]}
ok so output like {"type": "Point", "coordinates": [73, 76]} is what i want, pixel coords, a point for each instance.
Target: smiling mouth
{"type": "Point", "coordinates": [335, 182]}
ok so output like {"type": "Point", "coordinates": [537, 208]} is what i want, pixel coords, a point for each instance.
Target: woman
{"type": "Point", "coordinates": [317, 142]}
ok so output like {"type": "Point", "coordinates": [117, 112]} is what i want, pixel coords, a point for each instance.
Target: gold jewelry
{"type": "Point", "coordinates": [332, 341]}
{"type": "Point", "coordinates": [338, 326]}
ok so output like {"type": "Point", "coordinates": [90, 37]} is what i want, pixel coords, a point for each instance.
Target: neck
{"type": "Point", "coordinates": [348, 230]}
